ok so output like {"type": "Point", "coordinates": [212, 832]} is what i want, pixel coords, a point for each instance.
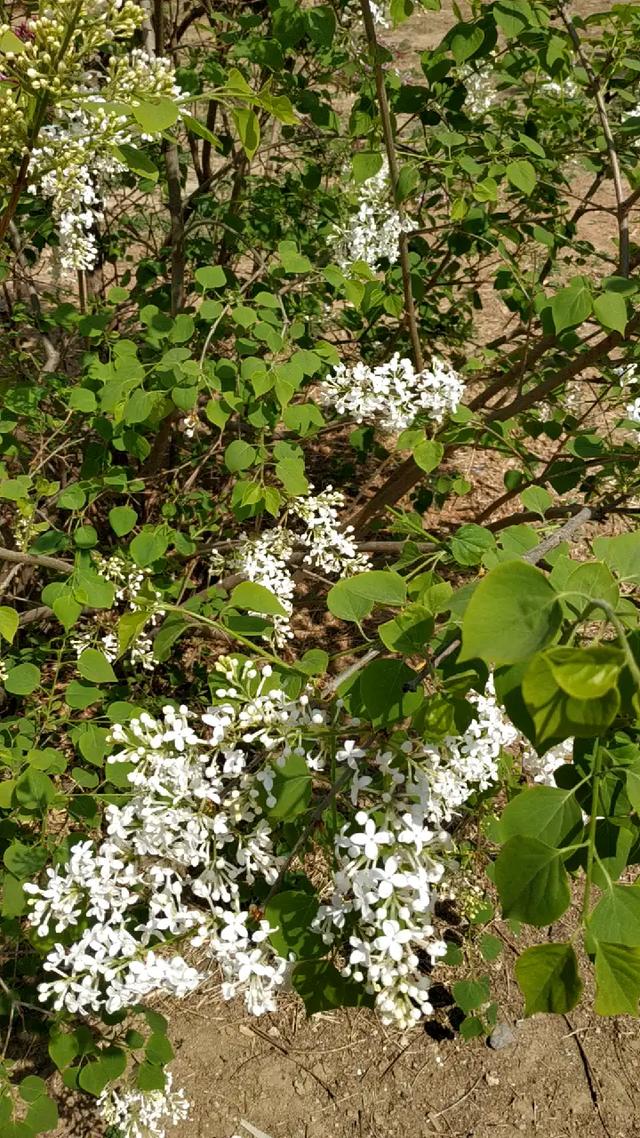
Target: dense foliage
{"type": "Point", "coordinates": [319, 598]}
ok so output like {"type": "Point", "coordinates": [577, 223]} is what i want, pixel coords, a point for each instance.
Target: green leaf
{"type": "Point", "coordinates": [585, 673]}
{"type": "Point", "coordinates": [15, 488]}
{"type": "Point", "coordinates": [353, 598]}
{"type": "Point", "coordinates": [24, 861]}
{"type": "Point", "coordinates": [617, 979]}
{"type": "Point", "coordinates": [471, 994]}
{"type": "Point", "coordinates": [34, 790]}
{"type": "Point", "coordinates": [291, 473]}
{"type": "Point", "coordinates": [610, 310]}
{"type": "Point", "coordinates": [211, 276]}
{"type": "Point", "coordinates": [409, 632]}
{"type": "Point", "coordinates": [521, 173]}
{"type": "Point", "coordinates": [42, 1115]}
{"type": "Point", "coordinates": [314, 662]}
{"type": "Point", "coordinates": [10, 42]}
{"type": "Point", "coordinates": [531, 881]}
{"type": "Point", "coordinates": [130, 624]}
{"type": "Point", "coordinates": [428, 455]}
{"type": "Point", "coordinates": [471, 1027]}
{"type": "Point", "coordinates": [9, 621]}
{"type": "Point", "coordinates": [148, 546]}
{"type": "Point", "coordinates": [256, 598]}
{"type": "Point", "coordinates": [72, 498]}
{"type": "Point", "coordinates": [292, 260]}
{"type": "Point", "coordinates": [156, 116]}
{"type": "Point", "coordinates": [109, 1066]}
{"type": "Point", "coordinates": [321, 22]}
{"type": "Point", "coordinates": [536, 498]}
{"type": "Point", "coordinates": [290, 914]}
{"type": "Point", "coordinates": [544, 812]}
{"type": "Point", "coordinates": [365, 164]}
{"type": "Point", "coordinates": [158, 1048]}
{"type": "Point", "coordinates": [150, 1077]}
{"type": "Point", "coordinates": [95, 667]}
{"type": "Point", "coordinates": [92, 590]}
{"type": "Point", "coordinates": [557, 715]}
{"type": "Point", "coordinates": [570, 306]}
{"type": "Point", "coordinates": [470, 544]}
{"type": "Point", "coordinates": [322, 988]}
{"type": "Point", "coordinates": [591, 580]}
{"type": "Point", "coordinates": [67, 610]}
{"type": "Point", "coordinates": [465, 40]}
{"type": "Point", "coordinates": [63, 1049]}
{"type": "Point", "coordinates": [248, 128]}
{"type": "Point", "coordinates": [621, 553]}
{"type": "Point", "coordinates": [79, 696]}
{"type": "Point", "coordinates": [137, 161]}
{"type": "Point", "coordinates": [239, 456]}
{"type": "Point", "coordinates": [512, 613]}
{"type": "Point", "coordinates": [490, 947]}
{"type": "Point", "coordinates": [385, 692]}
{"type": "Point", "coordinates": [291, 789]}
{"type": "Point", "coordinates": [32, 1088]}
{"type": "Point", "coordinates": [22, 679]}
{"type": "Point", "coordinates": [549, 979]}
{"type": "Point", "coordinates": [122, 519]}
{"type": "Point", "coordinates": [616, 917]}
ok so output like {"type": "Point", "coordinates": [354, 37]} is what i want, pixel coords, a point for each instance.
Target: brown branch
{"type": "Point", "coordinates": [35, 559]}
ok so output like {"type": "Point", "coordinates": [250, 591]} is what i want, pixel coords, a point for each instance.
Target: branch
{"type": "Point", "coordinates": [36, 559]}
{"type": "Point", "coordinates": [594, 81]}
{"type": "Point", "coordinates": [389, 142]}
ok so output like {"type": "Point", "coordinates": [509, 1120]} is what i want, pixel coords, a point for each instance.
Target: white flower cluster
{"type": "Point", "coordinates": [373, 231]}
{"type": "Point", "coordinates": [394, 395]}
{"type": "Point", "coordinates": [129, 580]}
{"type": "Point", "coordinates": [480, 85]}
{"type": "Point", "coordinates": [76, 159]}
{"type": "Point", "coordinates": [182, 857]}
{"type": "Point", "coordinates": [541, 768]}
{"type": "Point", "coordinates": [267, 559]}
{"type": "Point", "coordinates": [73, 167]}
{"type": "Point", "coordinates": [139, 1114]}
{"type": "Point", "coordinates": [392, 855]}
{"type": "Point", "coordinates": [179, 857]}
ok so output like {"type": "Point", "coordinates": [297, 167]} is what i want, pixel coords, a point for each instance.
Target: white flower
{"type": "Point", "coordinates": [392, 939]}
{"type": "Point", "coordinates": [370, 837]}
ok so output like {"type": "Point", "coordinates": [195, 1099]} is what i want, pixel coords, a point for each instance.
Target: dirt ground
{"type": "Point", "coordinates": [345, 1076]}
